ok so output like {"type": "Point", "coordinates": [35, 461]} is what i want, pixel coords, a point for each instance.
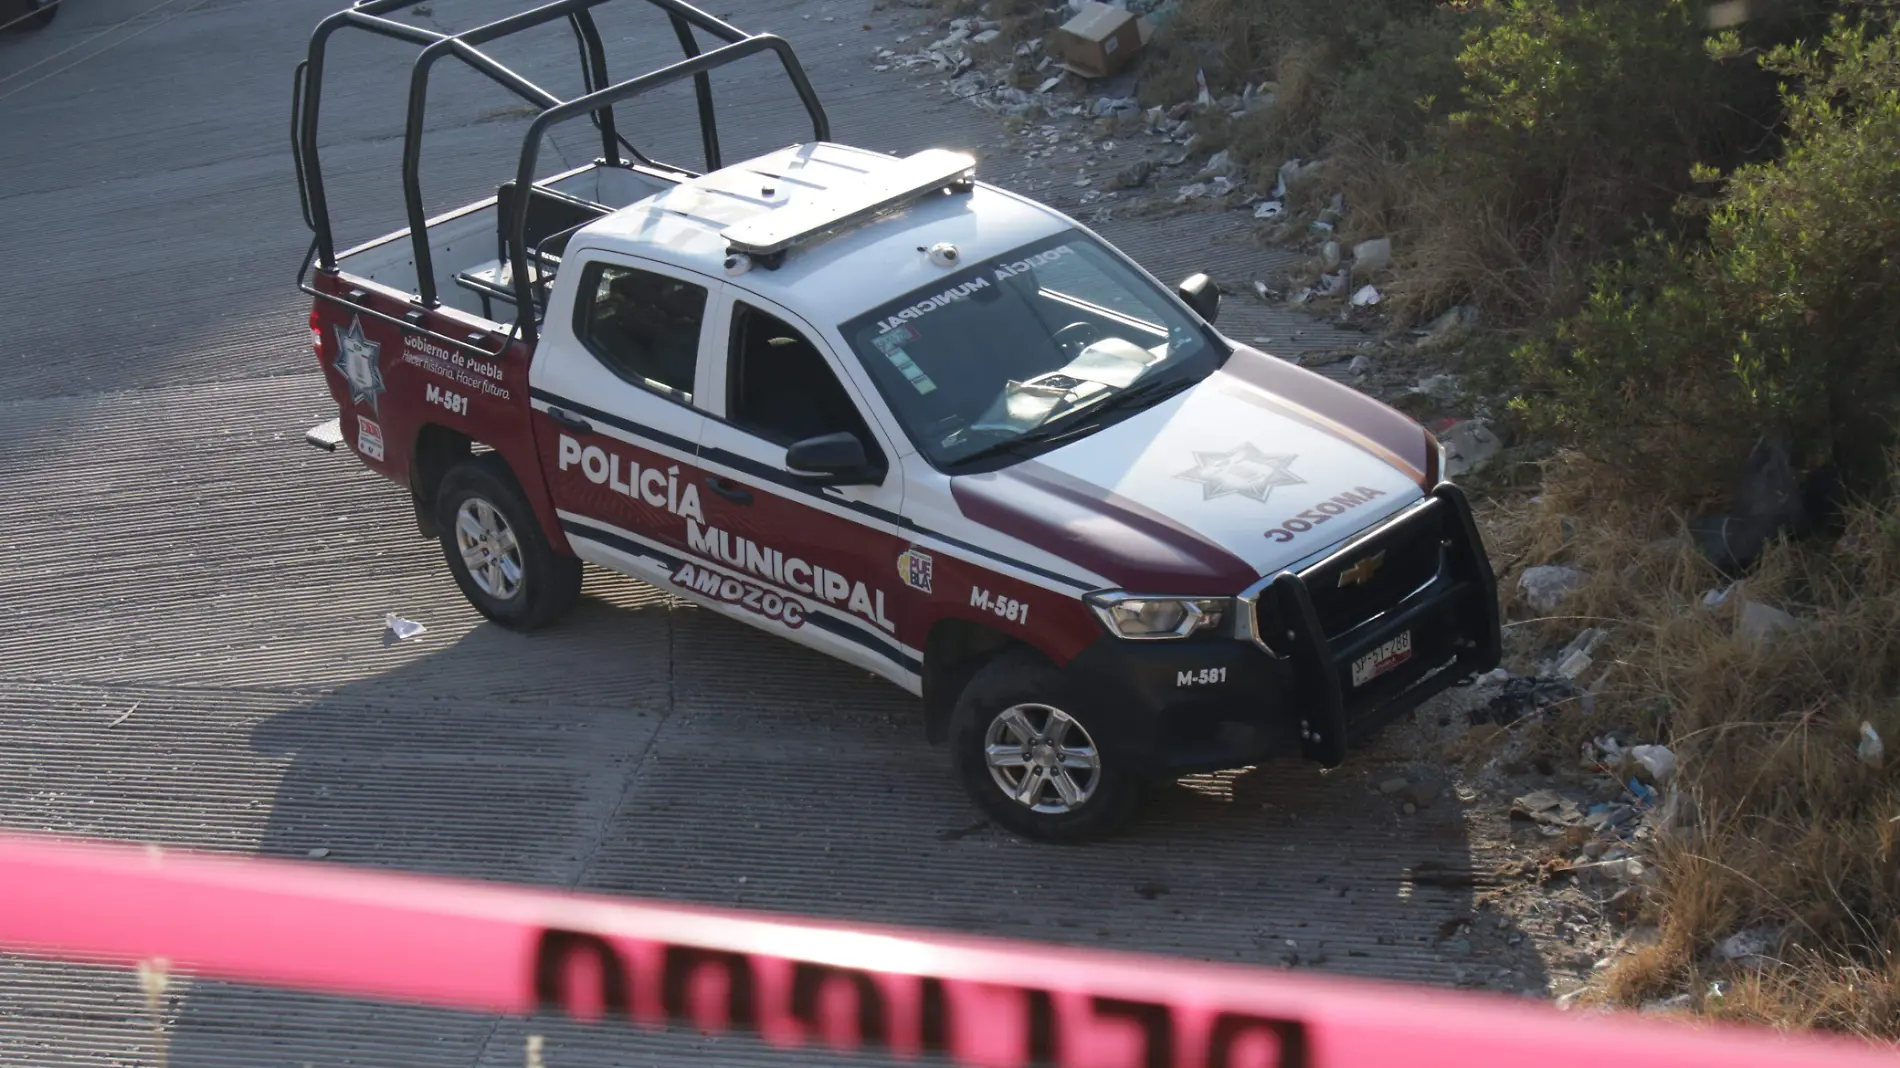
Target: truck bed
{"type": "Point", "coordinates": [471, 269]}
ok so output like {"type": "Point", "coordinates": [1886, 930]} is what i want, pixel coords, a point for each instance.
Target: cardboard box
{"type": "Point", "coordinates": [1098, 42]}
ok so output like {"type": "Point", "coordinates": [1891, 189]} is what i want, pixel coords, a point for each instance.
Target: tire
{"type": "Point", "coordinates": [484, 518]}
{"type": "Point", "coordinates": [1016, 699]}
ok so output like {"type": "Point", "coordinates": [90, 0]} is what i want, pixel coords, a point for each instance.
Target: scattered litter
{"type": "Point", "coordinates": [1546, 585]}
{"type": "Point", "coordinates": [982, 38]}
{"type": "Point", "coordinates": [1265, 292]}
{"type": "Point", "coordinates": [1574, 665]}
{"type": "Point", "coordinates": [1443, 389]}
{"type": "Point", "coordinates": [1361, 365]}
{"type": "Point", "coordinates": [1520, 696]}
{"type": "Point", "coordinates": [1373, 255]}
{"type": "Point", "coordinates": [1469, 446]}
{"type": "Point", "coordinates": [1645, 795]}
{"type": "Point", "coordinates": [1220, 163]}
{"type": "Point", "coordinates": [1289, 173]}
{"type": "Point", "coordinates": [1133, 176]}
{"type": "Point", "coordinates": [402, 628]}
{"type": "Point", "coordinates": [1717, 598]}
{"type": "Point", "coordinates": [1049, 83]}
{"type": "Point", "coordinates": [1319, 226]}
{"type": "Point", "coordinates": [1099, 41]}
{"type": "Point", "coordinates": [1657, 760]}
{"type": "Point", "coordinates": [1546, 806]}
{"type": "Point", "coordinates": [1443, 326]}
{"type": "Point", "coordinates": [1329, 256]}
{"type": "Point", "coordinates": [1759, 622]}
{"type": "Point", "coordinates": [127, 714]}
{"type": "Point", "coordinates": [1200, 80]}
{"type": "Point", "coordinates": [1585, 642]}
{"type": "Point", "coordinates": [1745, 947]}
{"type": "Point", "coordinates": [1332, 285]}
{"type": "Point", "coordinates": [1872, 751]}
{"type": "Point", "coordinates": [1366, 297]}
{"type": "Point", "coordinates": [318, 853]}
{"type": "Point", "coordinates": [1107, 106]}
{"type": "Point", "coordinates": [1393, 786]}
{"type": "Point", "coordinates": [1269, 209]}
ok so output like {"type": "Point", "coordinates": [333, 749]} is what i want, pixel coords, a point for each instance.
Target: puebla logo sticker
{"type": "Point", "coordinates": [356, 361]}
{"type": "Point", "coordinates": [913, 566]}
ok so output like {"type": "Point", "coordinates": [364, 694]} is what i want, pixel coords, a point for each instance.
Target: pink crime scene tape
{"type": "Point", "coordinates": [981, 1002]}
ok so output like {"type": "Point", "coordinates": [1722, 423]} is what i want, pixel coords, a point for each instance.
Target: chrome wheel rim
{"type": "Point", "coordinates": [1042, 758]}
{"type": "Point", "coordinates": [488, 548]}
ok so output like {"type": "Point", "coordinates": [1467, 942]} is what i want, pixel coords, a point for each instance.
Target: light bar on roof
{"type": "Point", "coordinates": [911, 178]}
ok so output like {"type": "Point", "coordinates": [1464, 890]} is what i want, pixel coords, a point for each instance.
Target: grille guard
{"type": "Point", "coordinates": [1465, 585]}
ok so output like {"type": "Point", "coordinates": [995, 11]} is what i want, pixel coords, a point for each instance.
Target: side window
{"type": "Point", "coordinates": [643, 326]}
{"type": "Point", "coordinates": [780, 386]}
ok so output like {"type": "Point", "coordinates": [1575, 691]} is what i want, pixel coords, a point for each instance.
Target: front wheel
{"type": "Point", "coordinates": [1036, 758]}
{"type": "Point", "coordinates": [496, 549]}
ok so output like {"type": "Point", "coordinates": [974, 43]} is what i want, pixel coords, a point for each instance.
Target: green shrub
{"type": "Point", "coordinates": [1578, 128]}
{"type": "Point", "coordinates": [1786, 319]}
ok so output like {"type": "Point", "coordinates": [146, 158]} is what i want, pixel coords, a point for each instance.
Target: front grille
{"type": "Point", "coordinates": [1412, 556]}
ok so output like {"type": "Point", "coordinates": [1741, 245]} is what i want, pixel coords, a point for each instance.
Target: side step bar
{"type": "Point", "coordinates": [325, 436]}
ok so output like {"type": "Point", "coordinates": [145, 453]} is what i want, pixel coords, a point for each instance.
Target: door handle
{"type": "Point", "coordinates": [572, 422]}
{"type": "Point", "coordinates": [731, 491]}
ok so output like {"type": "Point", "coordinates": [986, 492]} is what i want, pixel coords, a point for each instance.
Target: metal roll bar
{"type": "Point", "coordinates": [597, 102]}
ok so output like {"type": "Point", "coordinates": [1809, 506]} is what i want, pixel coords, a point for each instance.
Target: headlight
{"type": "Point", "coordinates": [1132, 616]}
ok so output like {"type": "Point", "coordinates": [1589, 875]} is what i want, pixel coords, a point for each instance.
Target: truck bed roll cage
{"type": "Point", "coordinates": [597, 102]}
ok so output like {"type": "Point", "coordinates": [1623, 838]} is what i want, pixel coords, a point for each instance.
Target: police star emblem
{"type": "Point", "coordinates": [356, 361]}
{"type": "Point", "coordinates": [1244, 470]}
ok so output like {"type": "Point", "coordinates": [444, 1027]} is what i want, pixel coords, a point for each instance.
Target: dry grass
{"type": "Point", "coordinates": [1795, 834]}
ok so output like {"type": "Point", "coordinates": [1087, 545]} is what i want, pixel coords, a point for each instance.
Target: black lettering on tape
{"type": "Point", "coordinates": [1155, 1021]}
{"type": "Point", "coordinates": [1231, 1027]}
{"type": "Point", "coordinates": [1043, 1044]}
{"type": "Point", "coordinates": [808, 986]}
{"type": "Point", "coordinates": [934, 1011]}
{"type": "Point", "coordinates": [552, 952]}
{"type": "Point", "coordinates": [683, 963]}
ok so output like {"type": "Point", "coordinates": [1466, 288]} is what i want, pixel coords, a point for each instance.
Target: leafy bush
{"type": "Point", "coordinates": [1785, 320]}
{"type": "Point", "coordinates": [1578, 129]}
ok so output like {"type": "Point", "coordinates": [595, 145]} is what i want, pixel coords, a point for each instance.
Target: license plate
{"type": "Point", "coordinates": [1388, 655]}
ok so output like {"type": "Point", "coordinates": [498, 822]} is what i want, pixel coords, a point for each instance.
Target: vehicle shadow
{"type": "Point", "coordinates": [673, 754]}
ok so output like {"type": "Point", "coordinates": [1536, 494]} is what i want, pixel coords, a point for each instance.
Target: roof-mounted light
{"type": "Point", "coordinates": [934, 170]}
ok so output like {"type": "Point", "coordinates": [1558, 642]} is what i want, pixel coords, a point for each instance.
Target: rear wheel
{"type": "Point", "coordinates": [496, 549]}
{"type": "Point", "coordinates": [1036, 758]}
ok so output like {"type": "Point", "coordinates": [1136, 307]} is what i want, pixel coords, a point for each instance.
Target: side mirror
{"type": "Point", "coordinates": [831, 460]}
{"type": "Point", "coordinates": [1202, 295]}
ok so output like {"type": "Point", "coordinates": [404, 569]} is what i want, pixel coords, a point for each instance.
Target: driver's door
{"type": "Point", "coordinates": [819, 562]}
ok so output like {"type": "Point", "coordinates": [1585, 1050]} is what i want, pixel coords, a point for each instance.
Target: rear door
{"type": "Point", "coordinates": [621, 362]}
{"type": "Point", "coordinates": [830, 560]}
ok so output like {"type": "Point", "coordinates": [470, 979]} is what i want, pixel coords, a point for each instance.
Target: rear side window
{"type": "Point", "coordinates": [642, 326]}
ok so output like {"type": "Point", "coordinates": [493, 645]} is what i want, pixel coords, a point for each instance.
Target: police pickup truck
{"type": "Point", "coordinates": [913, 421]}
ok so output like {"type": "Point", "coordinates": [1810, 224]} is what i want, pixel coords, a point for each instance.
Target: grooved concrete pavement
{"type": "Point", "coordinates": [191, 602]}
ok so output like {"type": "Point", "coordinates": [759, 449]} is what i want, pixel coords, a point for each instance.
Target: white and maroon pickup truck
{"type": "Point", "coordinates": [921, 424]}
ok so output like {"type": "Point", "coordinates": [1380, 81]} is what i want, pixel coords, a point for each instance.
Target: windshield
{"type": "Point", "coordinates": [1025, 347]}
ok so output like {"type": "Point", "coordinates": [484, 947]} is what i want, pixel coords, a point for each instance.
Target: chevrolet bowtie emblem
{"type": "Point", "coordinates": [1361, 573]}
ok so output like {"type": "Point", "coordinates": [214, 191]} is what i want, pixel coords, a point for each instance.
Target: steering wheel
{"type": "Point", "coordinates": [1077, 336]}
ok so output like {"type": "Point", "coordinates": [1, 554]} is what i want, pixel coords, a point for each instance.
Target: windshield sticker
{"type": "Point", "coordinates": [888, 345]}
{"type": "Point", "coordinates": [912, 373]}
{"type": "Point", "coordinates": [929, 304]}
{"type": "Point", "coordinates": [891, 339]}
